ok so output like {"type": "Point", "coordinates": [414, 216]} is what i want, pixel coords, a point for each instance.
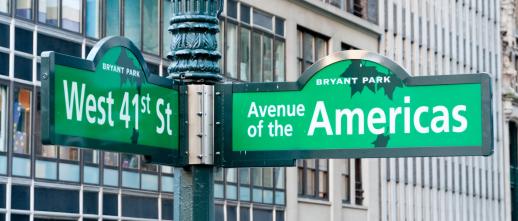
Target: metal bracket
{"type": "Point", "coordinates": [200, 99]}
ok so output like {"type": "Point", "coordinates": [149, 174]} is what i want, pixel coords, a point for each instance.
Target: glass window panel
{"type": "Point", "coordinates": [91, 156]}
{"type": "Point", "coordinates": [23, 68]}
{"type": "Point", "coordinates": [310, 182]}
{"type": "Point", "coordinates": [257, 176]}
{"type": "Point", "coordinates": [24, 9]}
{"type": "Point", "coordinates": [244, 176]}
{"type": "Point", "coordinates": [130, 179]}
{"type": "Point", "coordinates": [4, 35]}
{"type": "Point", "coordinates": [244, 193]}
{"type": "Point", "coordinates": [21, 120]}
{"type": "Point", "coordinates": [262, 214]}
{"type": "Point", "coordinates": [4, 64]}
{"type": "Point", "coordinates": [71, 15]}
{"type": "Point", "coordinates": [268, 196]}
{"type": "Point", "coordinates": [3, 165]}
{"type": "Point", "coordinates": [151, 31]}
{"type": "Point", "coordinates": [58, 45]}
{"type": "Point", "coordinates": [268, 177]}
{"type": "Point", "coordinates": [92, 18]}
{"type": "Point", "coordinates": [46, 170]}
{"type": "Point", "coordinates": [279, 197]}
{"type": "Point", "coordinates": [23, 40]}
{"type": "Point", "coordinates": [257, 195]}
{"type": "Point", "coordinates": [167, 169]}
{"type": "Point", "coordinates": [231, 50]}
{"type": "Point", "coordinates": [262, 19]}
{"type": "Point", "coordinates": [132, 21]}
{"type": "Point", "coordinates": [48, 12]}
{"type": "Point", "coordinates": [147, 166]}
{"type": "Point", "coordinates": [322, 179]}
{"type": "Point", "coordinates": [321, 48]}
{"type": "Point", "coordinates": [49, 151]}
{"type": "Point", "coordinates": [68, 153]}
{"type": "Point", "coordinates": [268, 59]}
{"type": "Point", "coordinates": [218, 190]}
{"type": "Point", "coordinates": [20, 217]}
{"type": "Point", "coordinates": [219, 213]}
{"type": "Point", "coordinates": [231, 192]}
{"type": "Point", "coordinates": [69, 172]}
{"type": "Point", "coordinates": [218, 174]}
{"type": "Point", "coordinates": [129, 161]}
{"type": "Point", "coordinates": [232, 9]}
{"type": "Point", "coordinates": [256, 58]}
{"type": "Point", "coordinates": [91, 175]}
{"type": "Point", "coordinates": [111, 159]}
{"type": "Point", "coordinates": [279, 215]}
{"type": "Point", "coordinates": [244, 214]}
{"type": "Point", "coordinates": [307, 44]}
{"type": "Point", "coordinates": [112, 14]}
{"type": "Point", "coordinates": [21, 167]}
{"type": "Point", "coordinates": [3, 118]}
{"type": "Point", "coordinates": [231, 213]}
{"type": "Point", "coordinates": [245, 14]}
{"type": "Point", "coordinates": [167, 184]}
{"type": "Point", "coordinates": [149, 182]}
{"type": "Point", "coordinates": [231, 175]}
{"type": "Point", "coordinates": [280, 74]}
{"type": "Point", "coordinates": [279, 178]}
{"type": "Point", "coordinates": [244, 53]}
{"type": "Point", "coordinates": [279, 26]}
{"type": "Point", "coordinates": [166, 36]}
{"type": "Point", "coordinates": [4, 6]}
{"type": "Point", "coordinates": [111, 177]}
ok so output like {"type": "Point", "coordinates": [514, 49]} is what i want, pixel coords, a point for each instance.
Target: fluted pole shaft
{"type": "Point", "coordinates": [194, 48]}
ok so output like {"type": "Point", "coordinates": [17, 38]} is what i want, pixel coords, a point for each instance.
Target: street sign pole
{"type": "Point", "coordinates": [195, 57]}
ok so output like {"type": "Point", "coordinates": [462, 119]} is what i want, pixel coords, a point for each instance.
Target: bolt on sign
{"type": "Point", "coordinates": [354, 104]}
{"type": "Point", "coordinates": [110, 101]}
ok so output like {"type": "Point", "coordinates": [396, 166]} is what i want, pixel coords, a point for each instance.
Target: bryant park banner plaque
{"type": "Point", "coordinates": [110, 101]}
{"type": "Point", "coordinates": [353, 104]}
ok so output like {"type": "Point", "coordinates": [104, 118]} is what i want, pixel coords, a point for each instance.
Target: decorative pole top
{"type": "Point", "coordinates": [194, 47]}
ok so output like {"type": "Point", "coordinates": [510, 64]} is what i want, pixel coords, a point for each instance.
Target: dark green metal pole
{"type": "Point", "coordinates": [194, 57]}
{"type": "Point", "coordinates": [194, 48]}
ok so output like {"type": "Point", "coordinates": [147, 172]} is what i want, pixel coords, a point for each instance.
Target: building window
{"type": "Point", "coordinates": [3, 118]}
{"type": "Point", "coordinates": [130, 175]}
{"type": "Point", "coordinates": [366, 9]}
{"type": "Point", "coordinates": [151, 18]}
{"type": "Point", "coordinates": [63, 14]}
{"type": "Point", "coordinates": [313, 178]}
{"type": "Point", "coordinates": [166, 16]}
{"type": "Point", "coordinates": [24, 9]}
{"type": "Point", "coordinates": [346, 176]}
{"type": "Point", "coordinates": [48, 12]}
{"type": "Point", "coordinates": [358, 184]}
{"type": "Point", "coordinates": [91, 166]}
{"type": "Point", "coordinates": [132, 21]}
{"type": "Point", "coordinates": [253, 51]}
{"type": "Point", "coordinates": [312, 47]}
{"type": "Point", "coordinates": [21, 120]}
{"type": "Point", "coordinates": [71, 12]}
{"type": "Point", "coordinates": [110, 171]}
{"type": "Point", "coordinates": [112, 16]}
{"type": "Point", "coordinates": [4, 6]}
{"type": "Point", "coordinates": [92, 18]}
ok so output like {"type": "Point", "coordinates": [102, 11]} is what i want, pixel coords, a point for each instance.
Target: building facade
{"type": "Point", "coordinates": [436, 38]}
{"type": "Point", "coordinates": [261, 41]}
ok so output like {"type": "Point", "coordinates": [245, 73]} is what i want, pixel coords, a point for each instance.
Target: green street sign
{"type": "Point", "coordinates": [353, 104]}
{"type": "Point", "coordinates": [110, 101]}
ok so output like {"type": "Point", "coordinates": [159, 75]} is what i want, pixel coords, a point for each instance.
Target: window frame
{"type": "Point", "coordinates": [225, 19]}
{"type": "Point", "coordinates": [303, 164]}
